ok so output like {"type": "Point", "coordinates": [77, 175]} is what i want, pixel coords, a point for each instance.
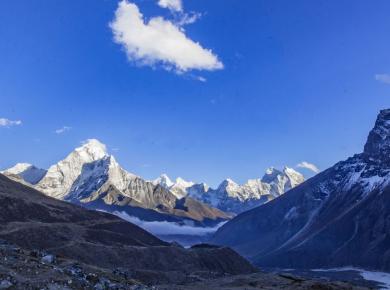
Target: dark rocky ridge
{"type": "Point", "coordinates": [341, 217]}
{"type": "Point", "coordinates": [33, 221]}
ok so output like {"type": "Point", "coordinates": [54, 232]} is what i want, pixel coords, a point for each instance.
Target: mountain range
{"type": "Point", "coordinates": [340, 217]}
{"type": "Point", "coordinates": [91, 177]}
{"type": "Point", "coordinates": [232, 197]}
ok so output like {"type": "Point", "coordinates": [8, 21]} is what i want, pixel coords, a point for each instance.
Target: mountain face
{"type": "Point", "coordinates": [235, 198]}
{"type": "Point", "coordinates": [340, 217]}
{"type": "Point", "coordinates": [90, 177]}
{"type": "Point", "coordinates": [34, 221]}
{"type": "Point", "coordinates": [26, 172]}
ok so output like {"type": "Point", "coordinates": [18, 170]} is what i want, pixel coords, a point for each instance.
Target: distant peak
{"type": "Point", "coordinates": [288, 170]}
{"type": "Point", "coordinates": [23, 166]}
{"type": "Point", "coordinates": [94, 148]}
{"type": "Point", "coordinates": [164, 176]}
{"type": "Point", "coordinates": [27, 172]}
{"type": "Point", "coordinates": [228, 182]}
{"type": "Point", "coordinates": [378, 141]}
{"type": "Point", "coordinates": [93, 143]}
{"type": "Point", "coordinates": [185, 183]}
{"type": "Point", "coordinates": [163, 180]}
{"type": "Point", "coordinates": [270, 174]}
{"type": "Point", "coordinates": [272, 170]}
{"type": "Point", "coordinates": [18, 168]}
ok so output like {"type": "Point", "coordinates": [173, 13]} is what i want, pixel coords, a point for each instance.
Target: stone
{"type": "Point", "coordinates": [48, 259]}
{"type": "Point", "coordinates": [5, 284]}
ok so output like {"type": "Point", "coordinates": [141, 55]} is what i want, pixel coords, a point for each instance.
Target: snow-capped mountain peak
{"type": "Point", "coordinates": [294, 176]}
{"type": "Point", "coordinates": [18, 168]}
{"type": "Point", "coordinates": [271, 174]}
{"type": "Point", "coordinates": [61, 177]}
{"type": "Point", "coordinates": [229, 187]}
{"type": "Point", "coordinates": [183, 183]}
{"type": "Point", "coordinates": [26, 171]}
{"type": "Point", "coordinates": [163, 180]}
{"type": "Point", "coordinates": [92, 149]}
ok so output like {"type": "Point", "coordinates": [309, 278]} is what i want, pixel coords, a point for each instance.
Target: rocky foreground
{"type": "Point", "coordinates": [35, 269]}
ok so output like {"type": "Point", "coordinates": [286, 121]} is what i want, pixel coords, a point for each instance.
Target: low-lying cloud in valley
{"type": "Point", "coordinates": [169, 228]}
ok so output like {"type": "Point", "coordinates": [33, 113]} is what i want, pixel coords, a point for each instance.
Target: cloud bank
{"type": "Point", "coordinates": [159, 42]}
{"type": "Point", "coordinates": [8, 123]}
{"type": "Point", "coordinates": [309, 166]}
{"type": "Point", "coordinates": [384, 78]}
{"type": "Point", "coordinates": [168, 228]}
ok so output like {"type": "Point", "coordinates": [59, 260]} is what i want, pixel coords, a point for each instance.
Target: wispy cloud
{"type": "Point", "coordinates": [201, 79]}
{"type": "Point", "coordinates": [384, 78]}
{"type": "Point", "coordinates": [63, 130]}
{"type": "Point", "coordinates": [9, 123]}
{"type": "Point", "coordinates": [308, 165]}
{"type": "Point", "coordinates": [159, 41]}
{"type": "Point", "coordinates": [169, 228]}
{"type": "Point", "coordinates": [188, 18]}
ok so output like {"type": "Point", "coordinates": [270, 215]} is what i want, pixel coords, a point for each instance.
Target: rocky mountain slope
{"type": "Point", "coordinates": [90, 177]}
{"type": "Point", "coordinates": [338, 218]}
{"type": "Point", "coordinates": [34, 221]}
{"type": "Point", "coordinates": [232, 197]}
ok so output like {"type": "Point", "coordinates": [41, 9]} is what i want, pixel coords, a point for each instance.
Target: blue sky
{"type": "Point", "coordinates": [301, 81]}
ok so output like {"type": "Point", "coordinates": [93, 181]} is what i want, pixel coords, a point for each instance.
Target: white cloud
{"type": "Point", "coordinates": [63, 130]}
{"type": "Point", "coordinates": [173, 5]}
{"type": "Point", "coordinates": [169, 228]}
{"type": "Point", "coordinates": [8, 123]}
{"type": "Point", "coordinates": [309, 166]}
{"type": "Point", "coordinates": [159, 41]}
{"type": "Point", "coordinates": [384, 78]}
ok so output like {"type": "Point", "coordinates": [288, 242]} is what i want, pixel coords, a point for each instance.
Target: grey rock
{"type": "Point", "coordinates": [48, 259]}
{"type": "Point", "coordinates": [5, 284]}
